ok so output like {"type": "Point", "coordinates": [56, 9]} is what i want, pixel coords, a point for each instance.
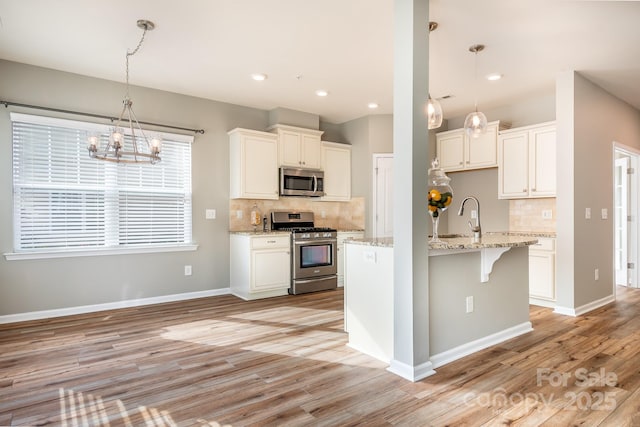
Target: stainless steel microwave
{"type": "Point", "coordinates": [301, 182]}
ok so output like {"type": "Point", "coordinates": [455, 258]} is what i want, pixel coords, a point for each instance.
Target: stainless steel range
{"type": "Point", "coordinates": [313, 252]}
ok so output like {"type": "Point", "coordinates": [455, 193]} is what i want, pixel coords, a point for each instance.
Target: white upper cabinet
{"type": "Point", "coordinates": [457, 152]}
{"type": "Point", "coordinates": [253, 157]}
{"type": "Point", "coordinates": [527, 162]}
{"type": "Point", "coordinates": [298, 147]}
{"type": "Point", "coordinates": [336, 164]}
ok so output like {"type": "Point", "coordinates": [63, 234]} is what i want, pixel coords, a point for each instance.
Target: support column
{"type": "Point", "coordinates": [410, 258]}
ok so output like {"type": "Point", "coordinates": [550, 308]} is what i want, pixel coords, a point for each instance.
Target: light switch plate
{"type": "Point", "coordinates": [605, 213]}
{"type": "Point", "coordinates": [547, 214]}
{"type": "Point", "coordinates": [587, 213]}
{"type": "Point", "coordinates": [210, 214]}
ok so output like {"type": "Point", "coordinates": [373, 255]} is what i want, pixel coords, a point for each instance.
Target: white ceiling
{"type": "Point", "coordinates": [209, 48]}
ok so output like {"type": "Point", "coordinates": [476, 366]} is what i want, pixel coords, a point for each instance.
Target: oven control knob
{"type": "Point", "coordinates": [306, 235]}
{"type": "Point", "coordinates": [316, 235]}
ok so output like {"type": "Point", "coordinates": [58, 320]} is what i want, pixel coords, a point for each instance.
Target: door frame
{"type": "Point", "coordinates": [633, 230]}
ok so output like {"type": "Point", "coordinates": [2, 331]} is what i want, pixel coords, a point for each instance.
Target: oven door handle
{"type": "Point", "coordinates": [316, 242]}
{"type": "Point", "coordinates": [315, 279]}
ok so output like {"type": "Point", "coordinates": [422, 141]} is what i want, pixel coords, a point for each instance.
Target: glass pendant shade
{"type": "Point", "coordinates": [475, 124]}
{"type": "Point", "coordinates": [434, 113]}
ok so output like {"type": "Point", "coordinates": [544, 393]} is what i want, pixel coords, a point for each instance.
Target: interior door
{"type": "Point", "coordinates": [383, 195]}
{"type": "Point", "coordinates": [621, 217]}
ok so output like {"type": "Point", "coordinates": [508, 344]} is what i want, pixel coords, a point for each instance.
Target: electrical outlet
{"type": "Point", "coordinates": [239, 214]}
{"type": "Point", "coordinates": [187, 270]}
{"type": "Point", "coordinates": [547, 214]}
{"type": "Point", "coordinates": [474, 214]}
{"type": "Point", "coordinates": [470, 304]}
{"type": "Point", "coordinates": [369, 257]}
{"type": "Point", "coordinates": [596, 274]}
{"type": "Point", "coordinates": [587, 213]}
{"type": "Point", "coordinates": [210, 214]}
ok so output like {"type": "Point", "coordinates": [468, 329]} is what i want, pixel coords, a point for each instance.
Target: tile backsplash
{"type": "Point", "coordinates": [339, 215]}
{"type": "Point", "coordinates": [527, 215]}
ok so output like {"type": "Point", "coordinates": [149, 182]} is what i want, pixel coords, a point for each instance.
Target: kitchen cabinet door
{"type": "Point", "coordinates": [542, 146]}
{"type": "Point", "coordinates": [270, 269]}
{"type": "Point", "coordinates": [336, 164]}
{"type": "Point", "coordinates": [311, 156]}
{"type": "Point", "coordinates": [542, 283]}
{"type": "Point", "coordinates": [253, 164]}
{"type": "Point", "coordinates": [482, 152]}
{"type": "Point", "coordinates": [450, 150]}
{"type": "Point", "coordinates": [513, 176]}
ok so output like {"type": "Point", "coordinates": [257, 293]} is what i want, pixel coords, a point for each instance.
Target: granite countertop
{"type": "Point", "coordinates": [260, 233]}
{"type": "Point", "coordinates": [457, 241]}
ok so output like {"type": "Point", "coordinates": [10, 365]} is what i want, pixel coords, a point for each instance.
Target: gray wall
{"type": "Point", "coordinates": [589, 121]}
{"type": "Point", "coordinates": [35, 285]}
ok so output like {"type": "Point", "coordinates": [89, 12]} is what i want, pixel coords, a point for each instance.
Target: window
{"type": "Point", "coordinates": [64, 201]}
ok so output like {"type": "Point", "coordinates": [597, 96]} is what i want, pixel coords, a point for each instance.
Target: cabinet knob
{"type": "Point", "coordinates": [461, 163]}
{"type": "Point", "coordinates": [533, 189]}
{"type": "Point", "coordinates": [524, 190]}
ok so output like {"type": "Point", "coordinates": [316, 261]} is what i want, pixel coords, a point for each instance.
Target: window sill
{"type": "Point", "coordinates": [17, 256]}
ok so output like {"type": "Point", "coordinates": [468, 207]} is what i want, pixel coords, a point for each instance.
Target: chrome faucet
{"type": "Point", "coordinates": [477, 231]}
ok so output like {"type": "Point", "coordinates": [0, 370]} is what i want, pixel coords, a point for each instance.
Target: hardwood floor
{"type": "Point", "coordinates": [283, 361]}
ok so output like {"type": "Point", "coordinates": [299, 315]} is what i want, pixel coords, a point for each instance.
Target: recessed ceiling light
{"type": "Point", "coordinates": [372, 105]}
{"type": "Point", "coordinates": [259, 77]}
{"type": "Point", "coordinates": [322, 92]}
{"type": "Point", "coordinates": [494, 77]}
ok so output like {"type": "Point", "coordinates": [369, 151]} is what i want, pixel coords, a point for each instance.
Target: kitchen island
{"type": "Point", "coordinates": [478, 294]}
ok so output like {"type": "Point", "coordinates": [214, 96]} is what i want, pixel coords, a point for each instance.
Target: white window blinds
{"type": "Point", "coordinates": [64, 200]}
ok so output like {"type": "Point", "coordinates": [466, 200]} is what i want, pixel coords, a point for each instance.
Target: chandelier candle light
{"type": "Point", "coordinates": [142, 149]}
{"type": "Point", "coordinates": [476, 123]}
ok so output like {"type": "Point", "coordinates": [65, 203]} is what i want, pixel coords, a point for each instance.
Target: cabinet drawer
{"type": "Point", "coordinates": [270, 242]}
{"type": "Point", "coordinates": [544, 244]}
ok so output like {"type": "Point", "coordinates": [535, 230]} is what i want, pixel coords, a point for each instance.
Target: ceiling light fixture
{"type": "Point", "coordinates": [494, 77]}
{"type": "Point", "coordinates": [130, 145]}
{"type": "Point", "coordinates": [433, 109]}
{"type": "Point", "coordinates": [372, 105]}
{"type": "Point", "coordinates": [259, 77]}
{"type": "Point", "coordinates": [476, 122]}
{"type": "Point", "coordinates": [322, 92]}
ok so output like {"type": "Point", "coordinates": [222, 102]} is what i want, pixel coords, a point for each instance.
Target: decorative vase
{"type": "Point", "coordinates": [439, 197]}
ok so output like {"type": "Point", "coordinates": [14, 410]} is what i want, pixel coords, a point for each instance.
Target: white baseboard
{"type": "Point", "coordinates": [411, 373]}
{"type": "Point", "coordinates": [542, 302]}
{"type": "Point", "coordinates": [579, 311]}
{"type": "Point", "coordinates": [45, 314]}
{"type": "Point", "coordinates": [466, 349]}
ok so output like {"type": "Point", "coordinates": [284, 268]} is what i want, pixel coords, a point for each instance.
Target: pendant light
{"type": "Point", "coordinates": [433, 109]}
{"type": "Point", "coordinates": [476, 122]}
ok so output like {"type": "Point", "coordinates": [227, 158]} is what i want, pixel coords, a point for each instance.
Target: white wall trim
{"type": "Point", "coordinates": [411, 373]}
{"type": "Point", "coordinates": [45, 314]}
{"type": "Point", "coordinates": [579, 311]}
{"type": "Point", "coordinates": [471, 347]}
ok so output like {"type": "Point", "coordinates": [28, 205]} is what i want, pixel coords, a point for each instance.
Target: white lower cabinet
{"type": "Point", "coordinates": [542, 274]}
{"type": "Point", "coordinates": [260, 265]}
{"type": "Point", "coordinates": [342, 236]}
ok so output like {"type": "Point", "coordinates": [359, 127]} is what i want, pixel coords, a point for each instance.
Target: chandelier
{"type": "Point", "coordinates": [433, 109]}
{"type": "Point", "coordinates": [130, 145]}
